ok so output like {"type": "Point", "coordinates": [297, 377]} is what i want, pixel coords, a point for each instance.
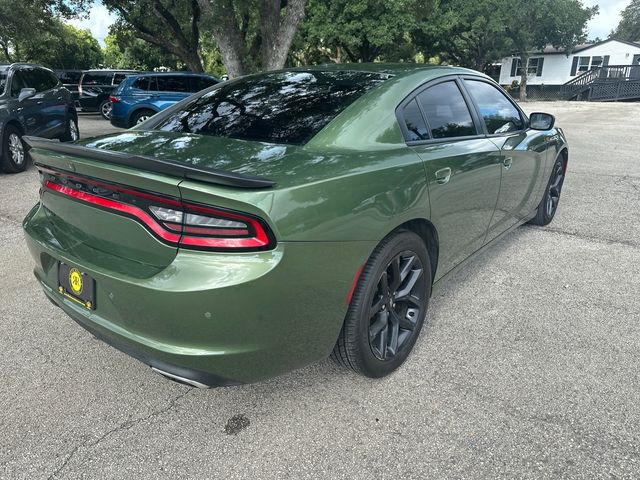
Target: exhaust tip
{"type": "Point", "coordinates": [179, 379]}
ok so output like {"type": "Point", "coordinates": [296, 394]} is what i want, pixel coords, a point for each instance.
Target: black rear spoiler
{"type": "Point", "coordinates": [150, 164]}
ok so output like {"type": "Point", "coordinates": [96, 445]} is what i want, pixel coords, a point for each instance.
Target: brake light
{"type": "Point", "coordinates": [113, 99]}
{"type": "Point", "coordinates": [169, 219]}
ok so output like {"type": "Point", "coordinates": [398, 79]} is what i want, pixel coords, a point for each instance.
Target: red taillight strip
{"type": "Point", "coordinates": [117, 188]}
{"type": "Point", "coordinates": [140, 214]}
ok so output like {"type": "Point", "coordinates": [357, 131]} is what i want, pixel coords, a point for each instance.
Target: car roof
{"type": "Point", "coordinates": [173, 74]}
{"type": "Point", "coordinates": [395, 69]}
{"type": "Point", "coordinates": [109, 70]}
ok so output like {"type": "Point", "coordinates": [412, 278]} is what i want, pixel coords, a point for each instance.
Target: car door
{"type": "Point", "coordinates": [523, 154]}
{"type": "Point", "coordinates": [54, 103]}
{"type": "Point", "coordinates": [462, 167]}
{"type": "Point", "coordinates": [28, 111]}
{"type": "Point", "coordinates": [171, 89]}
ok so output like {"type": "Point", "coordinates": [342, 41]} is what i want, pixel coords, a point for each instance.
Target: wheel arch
{"type": "Point", "coordinates": [140, 108]}
{"type": "Point", "coordinates": [428, 233]}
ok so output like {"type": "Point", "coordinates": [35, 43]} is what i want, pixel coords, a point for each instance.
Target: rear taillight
{"type": "Point", "coordinates": [169, 219]}
{"type": "Point", "coordinates": [113, 99]}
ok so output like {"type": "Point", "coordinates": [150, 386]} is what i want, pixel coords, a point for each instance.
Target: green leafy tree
{"type": "Point", "coordinates": [20, 19]}
{"type": "Point", "coordinates": [123, 49]}
{"type": "Point", "coordinates": [171, 25]}
{"type": "Point", "coordinates": [629, 26]}
{"type": "Point", "coordinates": [469, 34]}
{"type": "Point", "coordinates": [533, 24]}
{"type": "Point", "coordinates": [363, 30]}
{"type": "Point", "coordinates": [63, 46]}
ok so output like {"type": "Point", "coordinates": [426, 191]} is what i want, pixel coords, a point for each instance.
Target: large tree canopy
{"type": "Point", "coordinates": [56, 45]}
{"type": "Point", "coordinates": [364, 30]}
{"type": "Point", "coordinates": [533, 24]}
{"type": "Point", "coordinates": [629, 26]}
{"type": "Point", "coordinates": [172, 25]}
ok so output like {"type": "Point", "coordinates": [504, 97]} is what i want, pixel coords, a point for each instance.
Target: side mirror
{"type": "Point", "coordinates": [26, 93]}
{"type": "Point", "coordinates": [541, 121]}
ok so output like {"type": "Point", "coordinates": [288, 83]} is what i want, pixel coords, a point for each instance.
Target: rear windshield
{"type": "Point", "coordinates": [280, 107]}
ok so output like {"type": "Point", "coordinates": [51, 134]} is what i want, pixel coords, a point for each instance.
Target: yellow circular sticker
{"type": "Point", "coordinates": [75, 281]}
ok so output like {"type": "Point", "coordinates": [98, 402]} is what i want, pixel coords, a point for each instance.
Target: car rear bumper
{"type": "Point", "coordinates": [120, 122]}
{"type": "Point", "coordinates": [212, 318]}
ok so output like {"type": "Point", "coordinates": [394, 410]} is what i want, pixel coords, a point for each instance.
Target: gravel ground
{"type": "Point", "coordinates": [527, 366]}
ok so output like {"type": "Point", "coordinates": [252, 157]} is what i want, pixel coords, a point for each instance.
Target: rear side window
{"type": "Point", "coordinates": [99, 78]}
{"type": "Point", "coordinates": [118, 78]}
{"type": "Point", "coordinates": [498, 113]}
{"type": "Point", "coordinates": [176, 83]}
{"type": "Point", "coordinates": [279, 107]}
{"type": "Point", "coordinates": [414, 121]}
{"type": "Point", "coordinates": [200, 83]}
{"type": "Point", "coordinates": [447, 112]}
{"type": "Point", "coordinates": [142, 83]}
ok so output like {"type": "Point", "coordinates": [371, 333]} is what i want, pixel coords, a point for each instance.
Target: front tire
{"type": "Point", "coordinates": [549, 205]}
{"type": "Point", "coordinates": [72, 133]}
{"type": "Point", "coordinates": [14, 157]}
{"type": "Point", "coordinates": [388, 307]}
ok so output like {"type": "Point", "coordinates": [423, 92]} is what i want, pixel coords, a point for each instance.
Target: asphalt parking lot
{"type": "Point", "coordinates": [528, 366]}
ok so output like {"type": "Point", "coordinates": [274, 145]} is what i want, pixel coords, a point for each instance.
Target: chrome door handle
{"type": "Point", "coordinates": [507, 162]}
{"type": "Point", "coordinates": [443, 175]}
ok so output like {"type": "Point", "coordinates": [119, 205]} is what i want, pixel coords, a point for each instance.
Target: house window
{"type": "Point", "coordinates": [534, 68]}
{"type": "Point", "coordinates": [583, 64]}
{"type": "Point", "coordinates": [596, 62]}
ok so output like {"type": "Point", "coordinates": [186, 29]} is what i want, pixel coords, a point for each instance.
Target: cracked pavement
{"type": "Point", "coordinates": [528, 365]}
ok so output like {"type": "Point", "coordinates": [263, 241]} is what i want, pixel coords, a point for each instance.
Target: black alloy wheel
{"type": "Point", "coordinates": [396, 305]}
{"type": "Point", "coordinates": [388, 307]}
{"type": "Point", "coordinates": [549, 205]}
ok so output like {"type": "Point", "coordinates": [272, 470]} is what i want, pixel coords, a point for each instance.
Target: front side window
{"type": "Point", "coordinates": [498, 113]}
{"type": "Point", "coordinates": [3, 80]}
{"type": "Point", "coordinates": [17, 83]}
{"type": "Point", "coordinates": [280, 107]}
{"type": "Point", "coordinates": [446, 111]}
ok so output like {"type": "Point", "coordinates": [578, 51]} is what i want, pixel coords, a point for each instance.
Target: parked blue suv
{"type": "Point", "coordinates": [140, 96]}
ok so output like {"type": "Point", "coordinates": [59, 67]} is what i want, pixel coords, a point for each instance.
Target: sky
{"type": "Point", "coordinates": [99, 19]}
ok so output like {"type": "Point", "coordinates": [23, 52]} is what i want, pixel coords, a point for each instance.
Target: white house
{"type": "Point", "coordinates": [555, 66]}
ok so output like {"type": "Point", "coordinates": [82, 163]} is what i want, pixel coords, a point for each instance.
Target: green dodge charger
{"type": "Point", "coordinates": [269, 221]}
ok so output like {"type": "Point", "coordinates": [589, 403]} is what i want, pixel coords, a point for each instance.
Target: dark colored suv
{"type": "Point", "coordinates": [95, 88]}
{"type": "Point", "coordinates": [71, 81]}
{"type": "Point", "coordinates": [32, 102]}
{"type": "Point", "coordinates": [140, 96]}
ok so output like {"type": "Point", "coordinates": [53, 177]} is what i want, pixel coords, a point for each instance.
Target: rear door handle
{"type": "Point", "coordinates": [443, 175]}
{"type": "Point", "coordinates": [507, 162]}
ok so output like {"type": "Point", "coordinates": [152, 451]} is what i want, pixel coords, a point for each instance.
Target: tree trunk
{"type": "Point", "coordinates": [524, 63]}
{"type": "Point", "coordinates": [278, 31]}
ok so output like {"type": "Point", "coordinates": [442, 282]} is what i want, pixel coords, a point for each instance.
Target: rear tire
{"type": "Point", "coordinates": [105, 109]}
{"type": "Point", "coordinates": [140, 116]}
{"type": "Point", "coordinates": [14, 156]}
{"type": "Point", "coordinates": [549, 204]}
{"type": "Point", "coordinates": [388, 307]}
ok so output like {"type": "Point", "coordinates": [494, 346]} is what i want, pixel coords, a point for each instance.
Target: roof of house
{"type": "Point", "coordinates": [549, 49]}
